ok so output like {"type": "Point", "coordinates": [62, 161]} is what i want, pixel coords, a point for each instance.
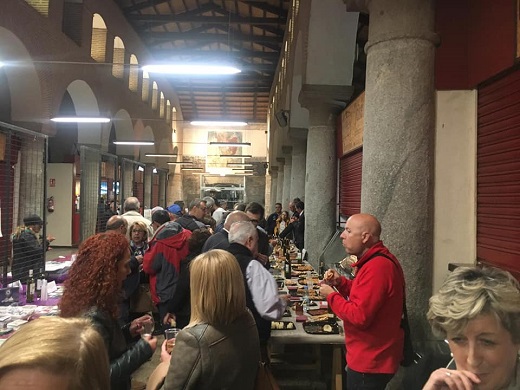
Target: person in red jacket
{"type": "Point", "coordinates": [167, 248]}
{"type": "Point", "coordinates": [371, 305]}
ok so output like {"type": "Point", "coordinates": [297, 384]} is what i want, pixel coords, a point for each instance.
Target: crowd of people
{"type": "Point", "coordinates": [207, 268]}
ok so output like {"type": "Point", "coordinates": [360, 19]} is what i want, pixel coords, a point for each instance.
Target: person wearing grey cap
{"type": "Point", "coordinates": [28, 247]}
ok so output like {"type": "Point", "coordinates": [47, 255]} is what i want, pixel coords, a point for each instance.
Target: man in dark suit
{"type": "Point", "coordinates": [219, 240]}
{"type": "Point", "coordinates": [297, 227]}
{"type": "Point", "coordinates": [271, 220]}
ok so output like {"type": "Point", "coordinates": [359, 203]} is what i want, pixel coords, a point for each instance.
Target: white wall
{"type": "Point", "coordinates": [455, 181]}
{"type": "Point", "coordinates": [59, 222]}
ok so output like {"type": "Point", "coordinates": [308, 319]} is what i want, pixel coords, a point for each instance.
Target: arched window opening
{"type": "Point", "coordinates": [42, 6]}
{"type": "Point", "coordinates": [133, 79]}
{"type": "Point", "coordinates": [155, 95]}
{"type": "Point", "coordinates": [146, 87]}
{"type": "Point", "coordinates": [72, 21]}
{"type": "Point", "coordinates": [118, 59]}
{"type": "Point", "coordinates": [168, 111]}
{"type": "Point", "coordinates": [161, 107]}
{"type": "Point", "coordinates": [98, 46]}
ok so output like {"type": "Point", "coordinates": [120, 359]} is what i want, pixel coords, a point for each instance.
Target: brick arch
{"type": "Point", "coordinates": [147, 135]}
{"type": "Point", "coordinates": [85, 104]}
{"type": "Point", "coordinates": [124, 132]}
{"type": "Point", "coordinates": [23, 82]}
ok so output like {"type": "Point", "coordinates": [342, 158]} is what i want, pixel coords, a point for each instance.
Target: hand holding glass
{"type": "Point", "coordinates": [170, 335]}
{"type": "Point", "coordinates": [147, 329]}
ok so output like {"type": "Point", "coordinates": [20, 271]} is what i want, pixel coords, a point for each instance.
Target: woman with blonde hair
{"type": "Point", "coordinates": [219, 349]}
{"type": "Point", "coordinates": [477, 311]}
{"type": "Point", "coordinates": [55, 353]}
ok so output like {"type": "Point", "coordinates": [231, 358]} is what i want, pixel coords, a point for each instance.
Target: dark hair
{"type": "Point", "coordinates": [296, 200]}
{"type": "Point", "coordinates": [255, 208]}
{"type": "Point", "coordinates": [240, 207]}
{"type": "Point", "coordinates": [299, 205]}
{"type": "Point", "coordinates": [197, 239]}
{"type": "Point", "coordinates": [161, 217]}
{"type": "Point", "coordinates": [196, 203]}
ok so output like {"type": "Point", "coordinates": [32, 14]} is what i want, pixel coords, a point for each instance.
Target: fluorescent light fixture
{"type": "Point", "coordinates": [239, 165]}
{"type": "Point", "coordinates": [79, 119]}
{"type": "Point", "coordinates": [217, 123]}
{"type": "Point", "coordinates": [230, 143]}
{"type": "Point", "coordinates": [135, 143]}
{"type": "Point", "coordinates": [1, 64]}
{"type": "Point", "coordinates": [191, 69]}
{"type": "Point", "coordinates": [154, 170]}
{"type": "Point", "coordinates": [242, 169]}
{"type": "Point", "coordinates": [140, 168]}
{"type": "Point", "coordinates": [192, 169]}
{"type": "Point", "coordinates": [237, 155]}
{"type": "Point", "coordinates": [179, 162]}
{"type": "Point", "coordinates": [160, 155]}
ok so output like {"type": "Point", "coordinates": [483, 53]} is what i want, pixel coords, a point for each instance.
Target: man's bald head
{"type": "Point", "coordinates": [118, 224]}
{"type": "Point", "coordinates": [369, 224]}
{"type": "Point", "coordinates": [235, 216]}
{"type": "Point", "coordinates": [362, 231]}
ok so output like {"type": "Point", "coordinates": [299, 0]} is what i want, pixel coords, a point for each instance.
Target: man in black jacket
{"type": "Point", "coordinates": [220, 240]}
{"type": "Point", "coordinates": [196, 213]}
{"type": "Point", "coordinates": [297, 227]}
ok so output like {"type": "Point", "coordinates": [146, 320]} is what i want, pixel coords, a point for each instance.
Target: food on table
{"type": "Point", "coordinates": [282, 325]}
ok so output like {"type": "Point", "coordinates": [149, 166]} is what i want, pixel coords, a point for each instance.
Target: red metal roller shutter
{"type": "Point", "coordinates": [498, 173]}
{"type": "Point", "coordinates": [350, 183]}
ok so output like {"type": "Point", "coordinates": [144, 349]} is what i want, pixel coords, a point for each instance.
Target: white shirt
{"type": "Point", "coordinates": [264, 292]}
{"type": "Point", "coordinates": [217, 214]}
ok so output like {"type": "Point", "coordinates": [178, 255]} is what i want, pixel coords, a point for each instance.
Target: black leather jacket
{"type": "Point", "coordinates": [124, 360]}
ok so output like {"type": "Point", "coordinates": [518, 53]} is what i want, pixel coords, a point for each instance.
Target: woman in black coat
{"type": "Point", "coordinates": [93, 290]}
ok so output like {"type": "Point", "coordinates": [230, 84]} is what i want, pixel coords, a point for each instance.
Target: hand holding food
{"type": "Point", "coordinates": [325, 290]}
{"type": "Point", "coordinates": [332, 278]}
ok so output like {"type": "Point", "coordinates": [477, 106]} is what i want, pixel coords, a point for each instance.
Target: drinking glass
{"type": "Point", "coordinates": [147, 330]}
{"type": "Point", "coordinates": [170, 335]}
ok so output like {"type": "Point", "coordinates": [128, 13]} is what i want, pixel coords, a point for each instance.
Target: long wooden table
{"type": "Point", "coordinates": [299, 336]}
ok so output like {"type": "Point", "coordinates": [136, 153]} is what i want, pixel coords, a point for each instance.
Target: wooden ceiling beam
{"type": "Point", "coordinates": [202, 19]}
{"type": "Point", "coordinates": [167, 36]}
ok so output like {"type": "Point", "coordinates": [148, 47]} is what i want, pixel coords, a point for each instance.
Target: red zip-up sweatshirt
{"type": "Point", "coordinates": [371, 308]}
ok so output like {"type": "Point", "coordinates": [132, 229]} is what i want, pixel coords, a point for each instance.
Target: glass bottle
{"type": "Point", "coordinates": [39, 283]}
{"type": "Point", "coordinates": [287, 265]}
{"type": "Point", "coordinates": [31, 286]}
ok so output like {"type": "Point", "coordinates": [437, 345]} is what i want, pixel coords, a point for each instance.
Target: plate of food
{"type": "Point", "coordinates": [283, 325]}
{"type": "Point", "coordinates": [302, 267]}
{"type": "Point", "coordinates": [317, 312]}
{"type": "Point", "coordinates": [304, 281]}
{"type": "Point", "coordinates": [321, 327]}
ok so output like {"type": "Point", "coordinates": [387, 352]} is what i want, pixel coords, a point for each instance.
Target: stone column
{"type": "Point", "coordinates": [274, 187]}
{"type": "Point", "coordinates": [287, 169]}
{"type": "Point", "coordinates": [279, 185]}
{"type": "Point", "coordinates": [398, 141]}
{"type": "Point", "coordinates": [299, 149]}
{"type": "Point", "coordinates": [323, 103]}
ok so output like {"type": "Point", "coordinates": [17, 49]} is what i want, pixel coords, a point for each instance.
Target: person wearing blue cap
{"type": "Point", "coordinates": [175, 209]}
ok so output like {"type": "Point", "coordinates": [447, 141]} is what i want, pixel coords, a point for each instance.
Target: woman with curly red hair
{"type": "Point", "coordinates": [93, 290]}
